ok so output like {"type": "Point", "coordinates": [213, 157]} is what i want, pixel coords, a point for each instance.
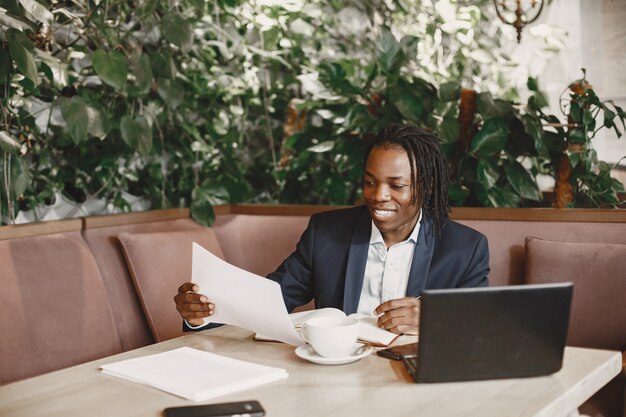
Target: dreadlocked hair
{"type": "Point", "coordinates": [429, 167]}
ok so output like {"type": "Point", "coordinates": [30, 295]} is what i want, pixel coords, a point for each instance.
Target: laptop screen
{"type": "Point", "coordinates": [492, 333]}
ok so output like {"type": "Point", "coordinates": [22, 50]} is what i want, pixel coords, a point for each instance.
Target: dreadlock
{"type": "Point", "coordinates": [429, 168]}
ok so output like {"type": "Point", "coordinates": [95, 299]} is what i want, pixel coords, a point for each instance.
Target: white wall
{"type": "Point", "coordinates": [590, 34]}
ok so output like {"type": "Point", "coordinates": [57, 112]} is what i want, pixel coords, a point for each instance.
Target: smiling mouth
{"type": "Point", "coordinates": [381, 214]}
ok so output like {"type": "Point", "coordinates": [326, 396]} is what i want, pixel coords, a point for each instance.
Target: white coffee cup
{"type": "Point", "coordinates": [331, 337]}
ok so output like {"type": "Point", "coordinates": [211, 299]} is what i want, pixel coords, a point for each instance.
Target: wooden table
{"type": "Point", "coordinates": [373, 386]}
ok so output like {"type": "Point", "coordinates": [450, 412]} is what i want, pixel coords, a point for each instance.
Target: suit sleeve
{"type": "Point", "coordinates": [476, 274]}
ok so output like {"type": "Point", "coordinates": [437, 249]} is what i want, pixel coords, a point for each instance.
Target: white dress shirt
{"type": "Point", "coordinates": [387, 270]}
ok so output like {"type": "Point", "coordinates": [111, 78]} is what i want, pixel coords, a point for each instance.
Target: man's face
{"type": "Point", "coordinates": [387, 191]}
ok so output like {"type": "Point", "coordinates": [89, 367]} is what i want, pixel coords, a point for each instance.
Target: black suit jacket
{"type": "Point", "coordinates": [328, 264]}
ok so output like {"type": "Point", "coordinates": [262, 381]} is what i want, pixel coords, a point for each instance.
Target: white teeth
{"type": "Point", "coordinates": [383, 213]}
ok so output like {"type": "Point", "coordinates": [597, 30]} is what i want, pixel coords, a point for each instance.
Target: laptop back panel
{"type": "Point", "coordinates": [492, 333]}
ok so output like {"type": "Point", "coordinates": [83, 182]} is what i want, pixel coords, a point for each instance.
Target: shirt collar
{"type": "Point", "coordinates": [377, 237]}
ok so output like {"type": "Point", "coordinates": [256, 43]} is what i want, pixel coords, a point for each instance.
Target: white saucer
{"type": "Point", "coordinates": [306, 352]}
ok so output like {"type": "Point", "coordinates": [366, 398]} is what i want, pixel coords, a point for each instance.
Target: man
{"type": "Point", "coordinates": [377, 258]}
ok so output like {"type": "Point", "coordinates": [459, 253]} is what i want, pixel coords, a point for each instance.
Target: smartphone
{"type": "Point", "coordinates": [239, 408]}
{"type": "Point", "coordinates": [399, 352]}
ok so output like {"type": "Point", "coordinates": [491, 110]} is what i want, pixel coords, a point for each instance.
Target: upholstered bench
{"type": "Point", "coordinates": [75, 290]}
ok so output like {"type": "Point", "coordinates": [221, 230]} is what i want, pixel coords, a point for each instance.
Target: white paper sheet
{"type": "Point", "coordinates": [194, 374]}
{"type": "Point", "coordinates": [242, 298]}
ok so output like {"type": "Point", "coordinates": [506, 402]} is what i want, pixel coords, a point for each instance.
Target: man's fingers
{"type": "Point", "coordinates": [388, 321]}
{"type": "Point", "coordinates": [191, 313]}
{"type": "Point", "coordinates": [198, 314]}
{"type": "Point", "coordinates": [401, 325]}
{"type": "Point", "coordinates": [188, 287]}
{"type": "Point", "coordinates": [396, 304]}
{"type": "Point", "coordinates": [191, 297]}
{"type": "Point", "coordinates": [198, 306]}
{"type": "Point", "coordinates": [405, 329]}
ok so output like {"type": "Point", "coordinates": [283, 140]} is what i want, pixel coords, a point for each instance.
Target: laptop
{"type": "Point", "coordinates": [491, 333]}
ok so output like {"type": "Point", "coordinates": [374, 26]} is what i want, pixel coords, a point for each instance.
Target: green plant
{"type": "Point", "coordinates": [186, 103]}
{"type": "Point", "coordinates": [581, 179]}
{"type": "Point", "coordinates": [494, 147]}
{"type": "Point", "coordinates": [194, 103]}
{"type": "Point", "coordinates": [149, 98]}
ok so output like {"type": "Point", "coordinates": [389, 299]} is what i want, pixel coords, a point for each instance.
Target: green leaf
{"type": "Point", "coordinates": [501, 197]}
{"type": "Point", "coordinates": [74, 112]}
{"type": "Point", "coordinates": [172, 92]}
{"type": "Point", "coordinates": [533, 127]}
{"type": "Point", "coordinates": [450, 91]}
{"type": "Point", "coordinates": [149, 6]}
{"type": "Point", "coordinates": [178, 31]}
{"type": "Point", "coordinates": [6, 65]}
{"type": "Point", "coordinates": [521, 181]}
{"type": "Point", "coordinates": [449, 128]}
{"type": "Point", "coordinates": [576, 112]}
{"type": "Point", "coordinates": [199, 5]}
{"type": "Point", "coordinates": [608, 118]}
{"type": "Point", "coordinates": [620, 113]}
{"type": "Point", "coordinates": [137, 133]}
{"type": "Point", "coordinates": [497, 197]}
{"type": "Point", "coordinates": [8, 143]}
{"type": "Point", "coordinates": [490, 107]}
{"type": "Point", "coordinates": [97, 125]}
{"type": "Point", "coordinates": [389, 53]}
{"type": "Point", "coordinates": [112, 67]}
{"type": "Point", "coordinates": [532, 84]}
{"type": "Point", "coordinates": [577, 136]}
{"type": "Point", "coordinates": [409, 106]}
{"type": "Point", "coordinates": [593, 98]}
{"type": "Point", "coordinates": [574, 159]}
{"type": "Point", "coordinates": [38, 11]}
{"type": "Point", "coordinates": [203, 199]}
{"type": "Point", "coordinates": [19, 37]}
{"type": "Point", "coordinates": [555, 142]}
{"type": "Point", "coordinates": [409, 43]}
{"type": "Point", "coordinates": [540, 99]}
{"type": "Point", "coordinates": [322, 147]}
{"type": "Point", "coordinates": [487, 174]}
{"type": "Point", "coordinates": [457, 194]}
{"type": "Point", "coordinates": [587, 117]}
{"type": "Point", "coordinates": [21, 177]}
{"type": "Point", "coordinates": [143, 76]}
{"type": "Point", "coordinates": [491, 138]}
{"type": "Point", "coordinates": [18, 47]}
{"type": "Point", "coordinates": [163, 65]}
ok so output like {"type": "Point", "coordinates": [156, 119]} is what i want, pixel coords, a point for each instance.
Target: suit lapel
{"type": "Point", "coordinates": [421, 258]}
{"type": "Point", "coordinates": [357, 259]}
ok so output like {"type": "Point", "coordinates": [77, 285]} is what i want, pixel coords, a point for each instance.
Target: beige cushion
{"type": "Point", "coordinates": [159, 263]}
{"type": "Point", "coordinates": [54, 310]}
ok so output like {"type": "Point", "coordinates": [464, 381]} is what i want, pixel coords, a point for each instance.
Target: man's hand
{"type": "Point", "coordinates": [400, 315]}
{"type": "Point", "coordinates": [191, 305]}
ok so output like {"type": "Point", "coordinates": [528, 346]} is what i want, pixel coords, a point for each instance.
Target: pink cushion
{"type": "Point", "coordinates": [241, 235]}
{"type": "Point", "coordinates": [159, 263]}
{"type": "Point", "coordinates": [129, 318]}
{"type": "Point", "coordinates": [506, 241]}
{"type": "Point", "coordinates": [54, 309]}
{"type": "Point", "coordinates": [598, 317]}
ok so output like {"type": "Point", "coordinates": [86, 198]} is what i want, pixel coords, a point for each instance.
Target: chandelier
{"type": "Point", "coordinates": [522, 14]}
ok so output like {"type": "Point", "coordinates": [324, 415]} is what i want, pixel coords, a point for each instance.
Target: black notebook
{"type": "Point", "coordinates": [491, 333]}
